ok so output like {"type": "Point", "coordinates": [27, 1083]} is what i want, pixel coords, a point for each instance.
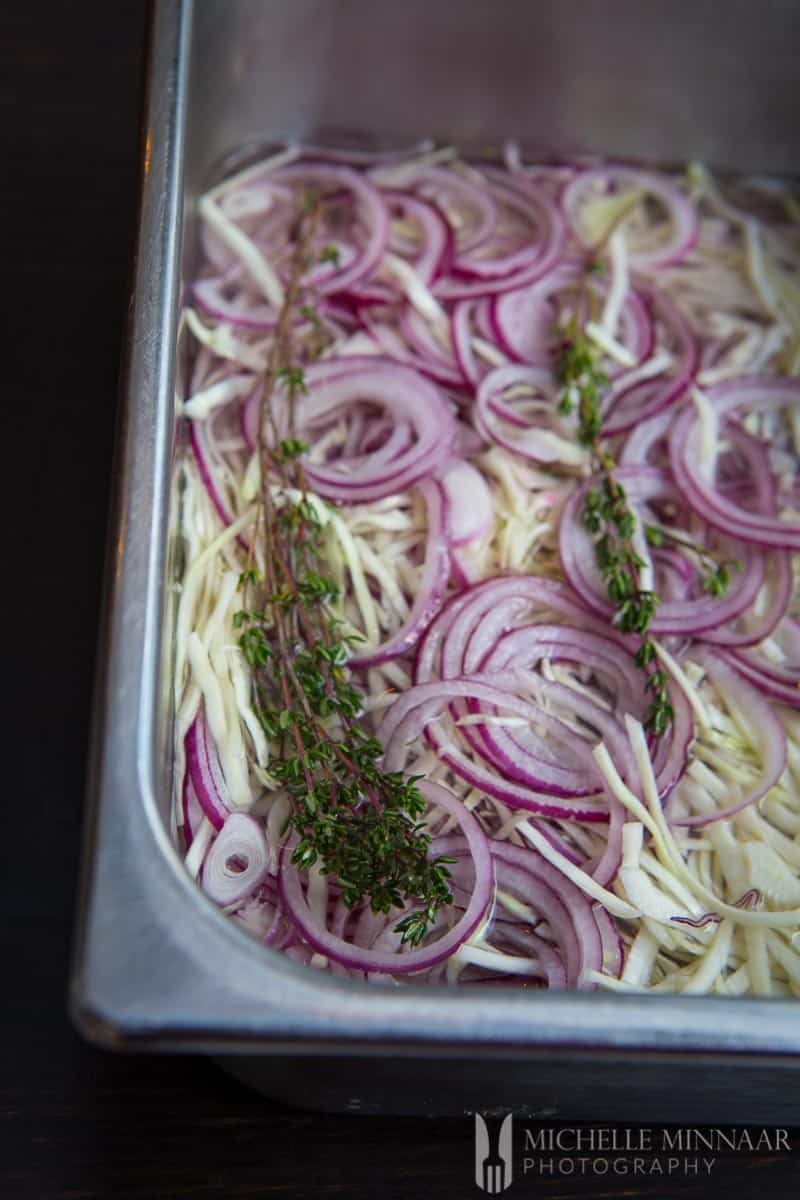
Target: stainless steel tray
{"type": "Point", "coordinates": [156, 966]}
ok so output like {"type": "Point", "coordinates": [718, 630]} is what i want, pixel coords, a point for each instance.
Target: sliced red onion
{"type": "Point", "coordinates": [494, 257]}
{"type": "Point", "coordinates": [571, 919]}
{"type": "Point", "coordinates": [601, 181]}
{"type": "Point", "coordinates": [429, 254]}
{"type": "Point", "coordinates": [540, 434]}
{"type": "Point", "coordinates": [198, 439]}
{"type": "Point", "coordinates": [404, 395]}
{"type": "Point", "coordinates": [763, 670]}
{"type": "Point", "coordinates": [769, 732]}
{"type": "Point", "coordinates": [784, 691]}
{"type": "Point", "coordinates": [330, 277]}
{"type": "Point", "coordinates": [469, 511]}
{"type": "Point", "coordinates": [645, 437]}
{"type": "Point", "coordinates": [209, 295]}
{"type": "Point", "coordinates": [432, 256]}
{"type": "Point", "coordinates": [326, 370]}
{"type": "Point", "coordinates": [506, 932]}
{"type": "Point", "coordinates": [261, 915]}
{"type": "Point", "coordinates": [238, 861]}
{"type": "Point", "coordinates": [468, 208]}
{"type": "Point", "coordinates": [525, 320]}
{"type": "Point", "coordinates": [481, 274]}
{"type": "Point", "coordinates": [422, 349]}
{"type": "Point", "coordinates": [205, 771]}
{"type": "Point", "coordinates": [418, 349]}
{"type": "Point", "coordinates": [191, 809]}
{"type": "Point", "coordinates": [467, 442]}
{"type": "Point", "coordinates": [604, 868]}
{"type": "Point", "coordinates": [627, 405]}
{"type": "Point", "coordinates": [468, 629]}
{"type": "Point", "coordinates": [751, 629]}
{"type": "Point", "coordinates": [465, 571]}
{"type": "Point", "coordinates": [415, 711]}
{"type": "Point", "coordinates": [433, 584]}
{"type": "Point", "coordinates": [465, 315]}
{"type": "Point", "coordinates": [402, 962]}
{"type": "Point", "coordinates": [752, 394]}
{"type": "Point", "coordinates": [442, 653]}
{"type": "Point", "coordinates": [559, 770]}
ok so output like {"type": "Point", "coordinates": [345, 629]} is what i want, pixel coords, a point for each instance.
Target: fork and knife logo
{"type": "Point", "coordinates": [494, 1164]}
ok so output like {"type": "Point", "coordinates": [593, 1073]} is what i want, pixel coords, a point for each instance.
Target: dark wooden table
{"type": "Point", "coordinates": [74, 1122]}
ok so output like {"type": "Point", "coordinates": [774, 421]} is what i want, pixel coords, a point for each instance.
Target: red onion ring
{"type": "Point", "coordinates": [579, 935]}
{"type": "Point", "coordinates": [198, 440]}
{"type": "Point", "coordinates": [241, 838]}
{"type": "Point", "coordinates": [525, 647]}
{"type": "Point", "coordinates": [756, 394]}
{"type": "Point", "coordinates": [446, 189]}
{"type": "Point", "coordinates": [429, 356]}
{"type": "Point", "coordinates": [466, 313]}
{"type": "Point", "coordinates": [469, 512]}
{"type": "Point", "coordinates": [192, 810]}
{"type": "Point", "coordinates": [469, 625]}
{"type": "Point", "coordinates": [627, 405]}
{"type": "Point", "coordinates": [785, 692]}
{"type": "Point", "coordinates": [437, 236]}
{"type": "Point", "coordinates": [645, 437]}
{"type": "Point", "coordinates": [546, 442]}
{"type": "Point", "coordinates": [524, 320]}
{"type": "Point", "coordinates": [413, 712]}
{"type": "Point", "coordinates": [779, 579]}
{"type": "Point", "coordinates": [406, 395]}
{"type": "Point", "coordinates": [208, 295]}
{"type": "Point", "coordinates": [205, 772]}
{"type": "Point", "coordinates": [483, 276]}
{"type": "Point", "coordinates": [326, 278]}
{"type": "Point", "coordinates": [681, 211]}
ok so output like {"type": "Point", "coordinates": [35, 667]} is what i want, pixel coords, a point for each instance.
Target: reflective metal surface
{"type": "Point", "coordinates": [156, 966]}
{"type": "Point", "coordinates": [664, 80]}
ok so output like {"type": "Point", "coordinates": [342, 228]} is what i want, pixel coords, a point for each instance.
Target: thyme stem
{"type": "Point", "coordinates": [607, 514]}
{"type": "Point", "coordinates": [362, 823]}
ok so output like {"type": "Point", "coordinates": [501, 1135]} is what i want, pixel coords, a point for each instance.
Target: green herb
{"type": "Point", "coordinates": [609, 518]}
{"type": "Point", "coordinates": [716, 570]}
{"type": "Point", "coordinates": [716, 583]}
{"type": "Point", "coordinates": [293, 377]}
{"type": "Point", "coordinates": [582, 383]}
{"type": "Point", "coordinates": [362, 824]}
{"type": "Point", "coordinates": [288, 449]}
{"type": "Point", "coordinates": [330, 254]}
{"type": "Point", "coordinates": [318, 338]}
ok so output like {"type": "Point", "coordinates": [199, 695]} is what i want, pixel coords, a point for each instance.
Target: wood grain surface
{"type": "Point", "coordinates": [75, 1123]}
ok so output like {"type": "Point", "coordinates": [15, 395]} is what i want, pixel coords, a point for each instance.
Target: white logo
{"type": "Point", "coordinates": [493, 1167]}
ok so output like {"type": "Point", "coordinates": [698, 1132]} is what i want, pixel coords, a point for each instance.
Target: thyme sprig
{"type": "Point", "coordinates": [362, 824]}
{"type": "Point", "coordinates": [607, 515]}
{"type": "Point", "coordinates": [716, 569]}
